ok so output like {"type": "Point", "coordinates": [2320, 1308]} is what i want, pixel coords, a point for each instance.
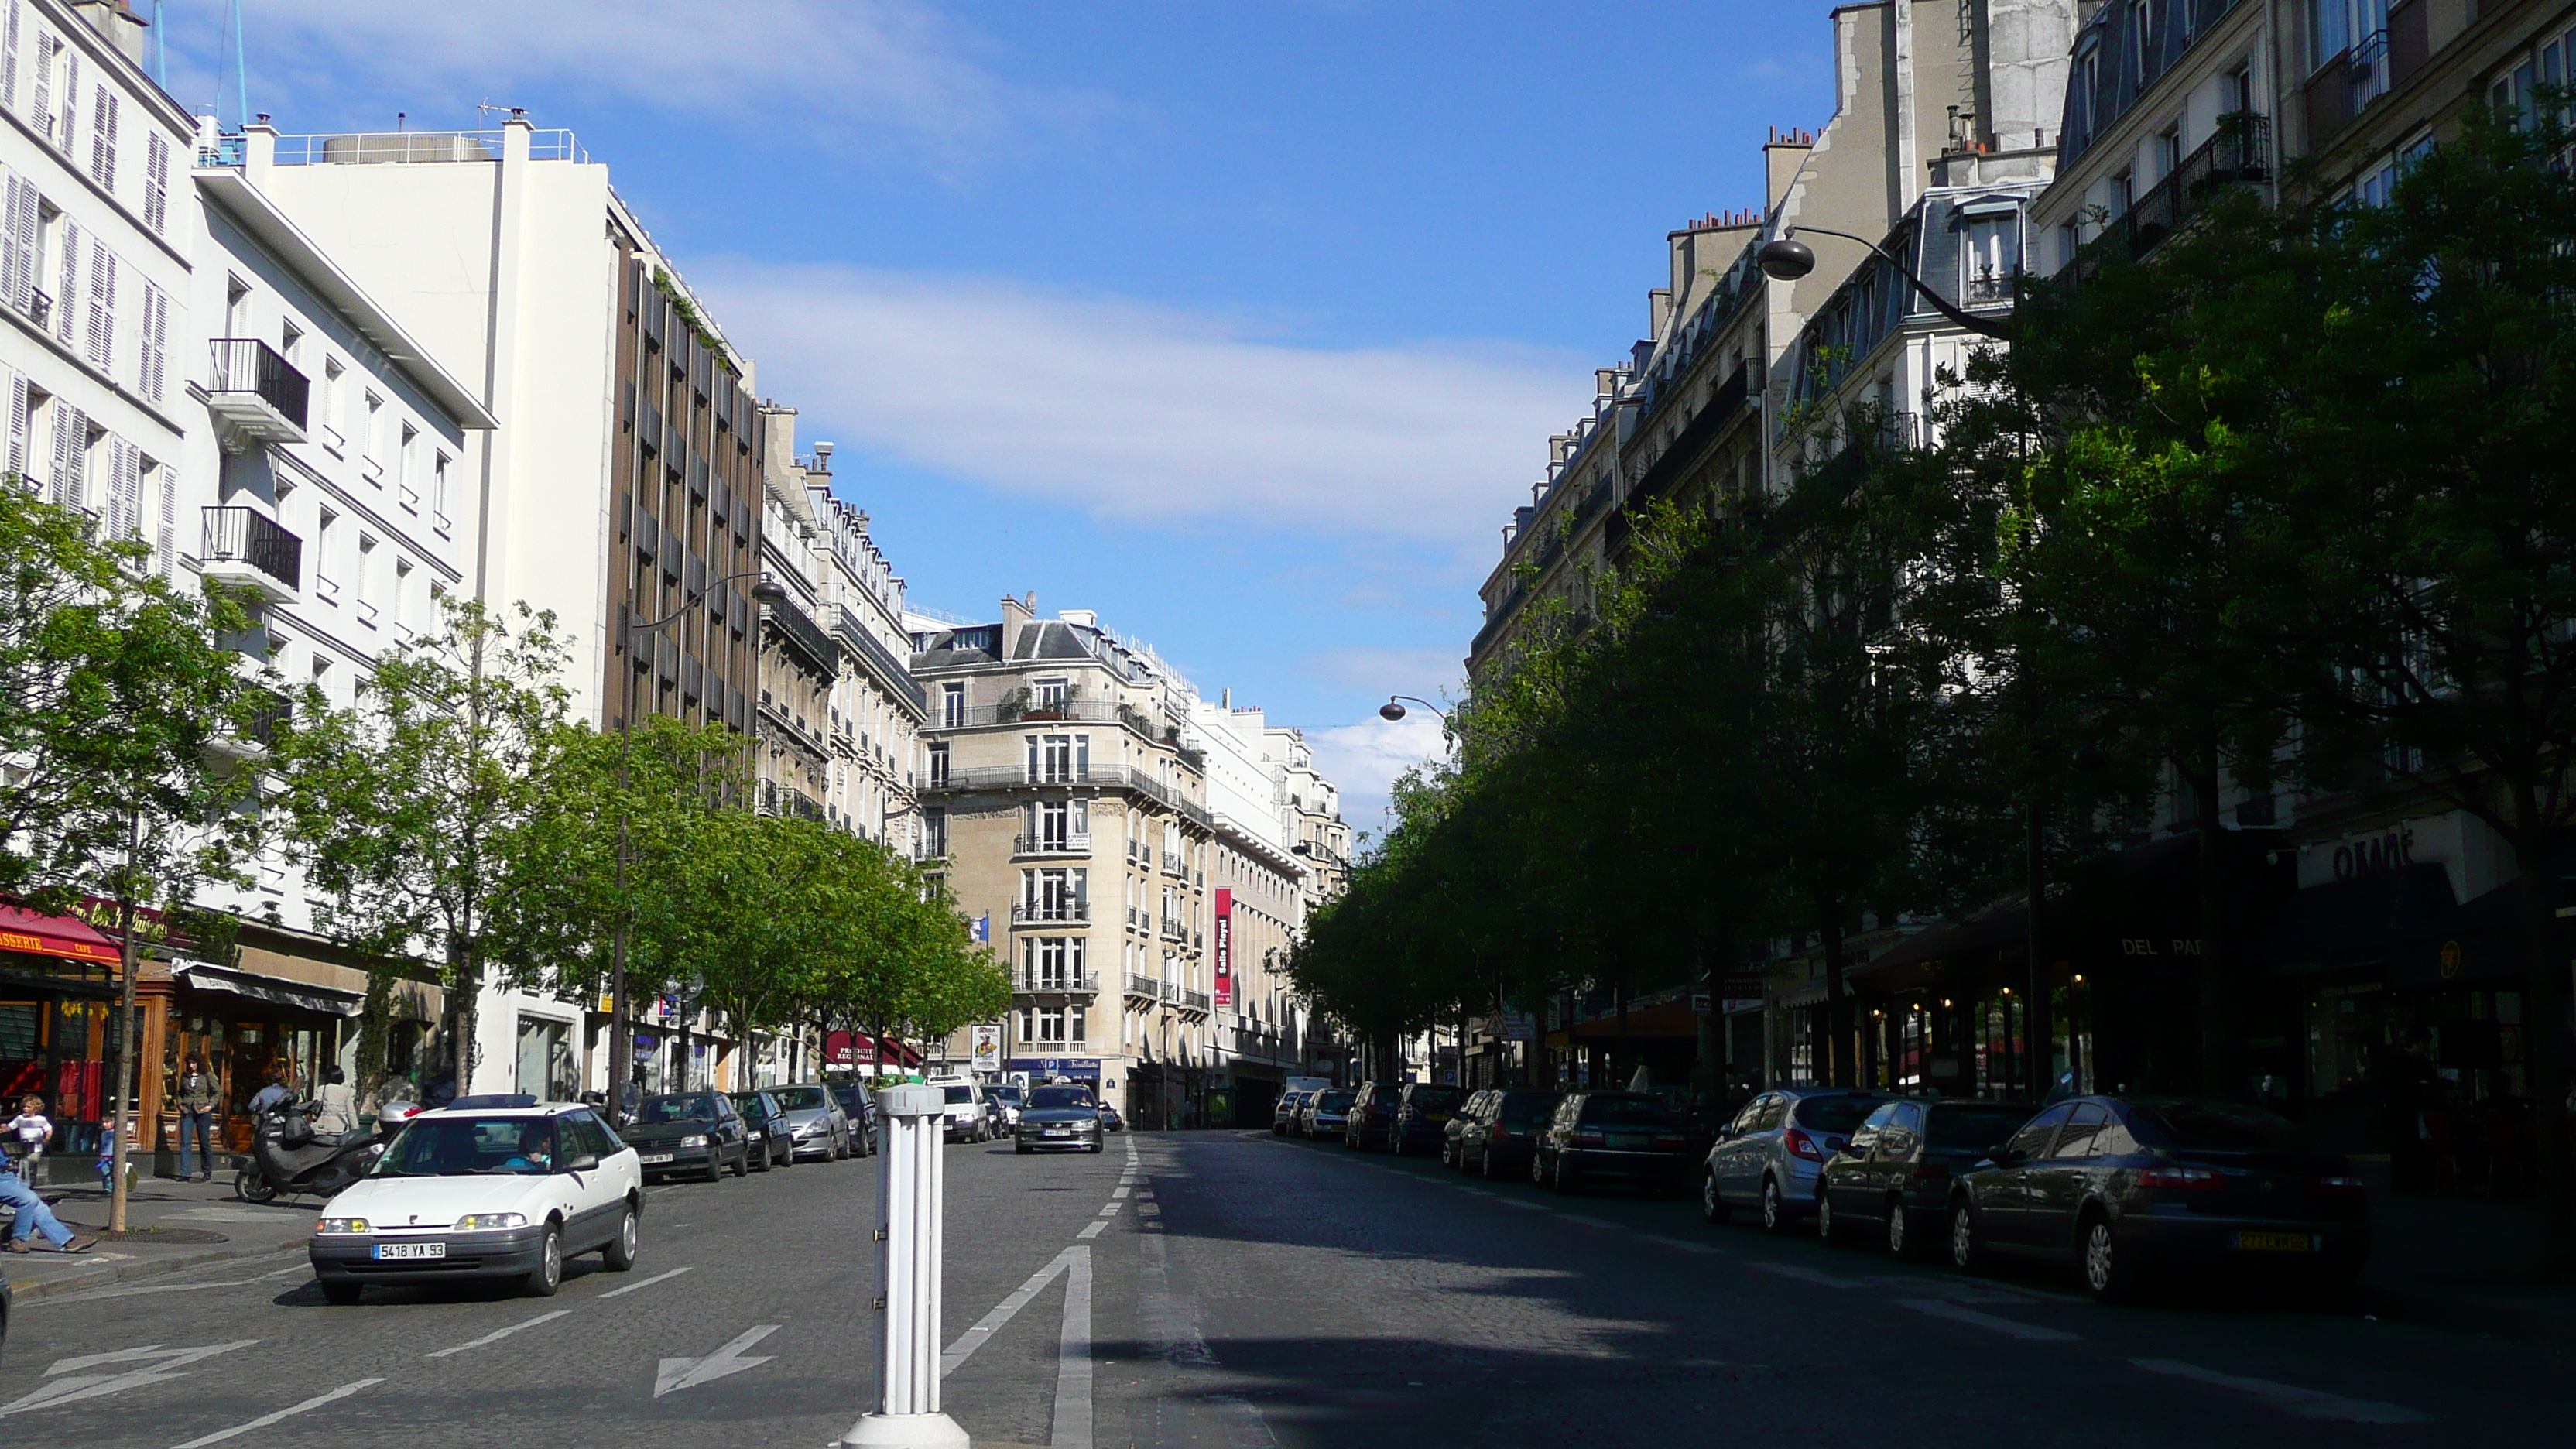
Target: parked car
{"type": "Point", "coordinates": [1371, 1116]}
{"type": "Point", "coordinates": [766, 1125]}
{"type": "Point", "coordinates": [1617, 1136]}
{"type": "Point", "coordinates": [488, 1193]}
{"type": "Point", "coordinates": [1110, 1119]}
{"type": "Point", "coordinates": [1283, 1118]}
{"type": "Point", "coordinates": [1768, 1157]}
{"type": "Point", "coordinates": [816, 1125]}
{"type": "Point", "coordinates": [1897, 1169]}
{"type": "Point", "coordinates": [859, 1105]}
{"type": "Point", "coordinates": [968, 1118]}
{"type": "Point", "coordinates": [1499, 1131]}
{"type": "Point", "coordinates": [1063, 1118]}
{"type": "Point", "coordinates": [1457, 1124]}
{"type": "Point", "coordinates": [689, 1133]}
{"type": "Point", "coordinates": [1008, 1097]}
{"type": "Point", "coordinates": [1326, 1113]}
{"type": "Point", "coordinates": [2134, 1191]}
{"type": "Point", "coordinates": [1422, 1113]}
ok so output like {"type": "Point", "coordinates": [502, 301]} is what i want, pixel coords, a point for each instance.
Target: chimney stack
{"type": "Point", "coordinates": [1016, 614]}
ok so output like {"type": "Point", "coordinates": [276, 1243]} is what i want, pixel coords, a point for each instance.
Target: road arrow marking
{"type": "Point", "coordinates": [687, 1373]}
{"type": "Point", "coordinates": [159, 1367]}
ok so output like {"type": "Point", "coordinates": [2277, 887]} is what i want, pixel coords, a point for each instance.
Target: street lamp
{"type": "Point", "coordinates": [1786, 259]}
{"type": "Point", "coordinates": [621, 1050]}
{"type": "Point", "coordinates": [1394, 711]}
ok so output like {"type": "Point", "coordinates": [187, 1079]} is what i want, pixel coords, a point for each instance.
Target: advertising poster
{"type": "Point", "coordinates": [988, 1047]}
{"type": "Point", "coordinates": [1224, 946]}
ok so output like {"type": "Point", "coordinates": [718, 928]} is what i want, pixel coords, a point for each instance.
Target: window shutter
{"type": "Point", "coordinates": [156, 181]}
{"type": "Point", "coordinates": [155, 338]}
{"type": "Point", "coordinates": [102, 305]}
{"type": "Point", "coordinates": [102, 138]}
{"type": "Point", "coordinates": [13, 252]}
{"type": "Point", "coordinates": [166, 544]}
{"type": "Point", "coordinates": [68, 138]}
{"type": "Point", "coordinates": [124, 489]}
{"type": "Point", "coordinates": [71, 453]}
{"type": "Point", "coordinates": [1081, 890]}
{"type": "Point", "coordinates": [17, 461]}
{"type": "Point", "coordinates": [68, 302]}
{"type": "Point", "coordinates": [21, 223]}
{"type": "Point", "coordinates": [9, 55]}
{"type": "Point", "coordinates": [43, 109]}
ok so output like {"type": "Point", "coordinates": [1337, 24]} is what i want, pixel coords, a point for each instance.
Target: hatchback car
{"type": "Point", "coordinates": [1010, 1099]}
{"type": "Point", "coordinates": [1896, 1171]}
{"type": "Point", "coordinates": [1326, 1113]}
{"type": "Point", "coordinates": [1422, 1113]}
{"type": "Point", "coordinates": [1283, 1118]}
{"type": "Point", "coordinates": [689, 1133]}
{"type": "Point", "coordinates": [1620, 1136]}
{"type": "Point", "coordinates": [969, 1120]}
{"type": "Point", "coordinates": [816, 1125]}
{"type": "Point", "coordinates": [2139, 1190]}
{"type": "Point", "coordinates": [485, 1194]}
{"type": "Point", "coordinates": [861, 1110]}
{"type": "Point", "coordinates": [1058, 1119]}
{"type": "Point", "coordinates": [1768, 1157]}
{"type": "Point", "coordinates": [766, 1125]}
{"type": "Point", "coordinates": [1371, 1116]}
{"type": "Point", "coordinates": [1499, 1130]}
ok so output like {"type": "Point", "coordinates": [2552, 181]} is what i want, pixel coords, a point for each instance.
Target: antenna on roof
{"type": "Point", "coordinates": [241, 68]}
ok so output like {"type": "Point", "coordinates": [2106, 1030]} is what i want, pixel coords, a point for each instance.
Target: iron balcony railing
{"type": "Point", "coordinates": [1041, 979]}
{"type": "Point", "coordinates": [1145, 986]}
{"type": "Point", "coordinates": [879, 661]}
{"type": "Point", "coordinates": [1111, 777]}
{"type": "Point", "coordinates": [2237, 153]}
{"type": "Point", "coordinates": [248, 536]}
{"type": "Point", "coordinates": [1173, 929]}
{"type": "Point", "coordinates": [1172, 865]}
{"type": "Point", "coordinates": [1038, 913]}
{"type": "Point", "coordinates": [1050, 845]}
{"type": "Point", "coordinates": [804, 636]}
{"type": "Point", "coordinates": [1194, 1001]}
{"type": "Point", "coordinates": [248, 365]}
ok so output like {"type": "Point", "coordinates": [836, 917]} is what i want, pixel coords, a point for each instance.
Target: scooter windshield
{"type": "Point", "coordinates": [465, 1146]}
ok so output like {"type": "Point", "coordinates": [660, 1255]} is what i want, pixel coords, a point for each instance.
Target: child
{"type": "Point", "coordinates": [33, 1131]}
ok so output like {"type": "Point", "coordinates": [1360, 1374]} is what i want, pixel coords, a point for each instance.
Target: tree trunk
{"type": "Point", "coordinates": [2545, 1042]}
{"type": "Point", "coordinates": [1837, 1010]}
{"type": "Point", "coordinates": [466, 1008]}
{"type": "Point", "coordinates": [2035, 1018]}
{"type": "Point", "coordinates": [374, 1021]}
{"type": "Point", "coordinates": [118, 1097]}
{"type": "Point", "coordinates": [2218, 1073]}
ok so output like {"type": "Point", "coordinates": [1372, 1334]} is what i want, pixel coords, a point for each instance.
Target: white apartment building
{"type": "Point", "coordinates": [1258, 895]}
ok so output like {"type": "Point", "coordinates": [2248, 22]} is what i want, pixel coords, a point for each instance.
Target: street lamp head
{"type": "Point", "coordinates": [1785, 259]}
{"type": "Point", "coordinates": [768, 591]}
{"type": "Point", "coordinates": [1390, 710]}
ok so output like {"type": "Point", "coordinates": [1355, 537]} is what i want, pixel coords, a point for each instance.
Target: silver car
{"type": "Point", "coordinates": [816, 1126]}
{"type": "Point", "coordinates": [1770, 1156]}
{"type": "Point", "coordinates": [1066, 1118]}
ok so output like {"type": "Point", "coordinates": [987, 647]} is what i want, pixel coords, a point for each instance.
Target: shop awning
{"type": "Point", "coordinates": [42, 935]}
{"type": "Point", "coordinates": [1665, 1019]}
{"type": "Point", "coordinates": [2362, 921]}
{"type": "Point", "coordinates": [275, 990]}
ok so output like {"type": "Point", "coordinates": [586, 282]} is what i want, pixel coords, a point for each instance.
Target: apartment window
{"type": "Point", "coordinates": [409, 494]}
{"type": "Point", "coordinates": [402, 596]}
{"type": "Point", "coordinates": [325, 539]}
{"type": "Point", "coordinates": [2169, 150]}
{"type": "Point", "coordinates": [371, 439]}
{"type": "Point", "coordinates": [2124, 193]}
{"type": "Point", "coordinates": [1050, 693]}
{"type": "Point", "coordinates": [439, 484]}
{"type": "Point", "coordinates": [326, 408]}
{"type": "Point", "coordinates": [1059, 759]}
{"type": "Point", "coordinates": [2236, 91]}
{"type": "Point", "coordinates": [366, 580]}
{"type": "Point", "coordinates": [952, 706]}
{"type": "Point", "coordinates": [2142, 39]}
{"type": "Point", "coordinates": [938, 750]}
{"type": "Point", "coordinates": [934, 830]}
{"type": "Point", "coordinates": [1989, 252]}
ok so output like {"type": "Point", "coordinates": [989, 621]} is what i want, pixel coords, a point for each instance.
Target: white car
{"type": "Point", "coordinates": [505, 1188]}
{"type": "Point", "coordinates": [968, 1119]}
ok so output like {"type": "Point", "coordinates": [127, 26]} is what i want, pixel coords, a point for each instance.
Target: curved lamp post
{"type": "Point", "coordinates": [621, 1050]}
{"type": "Point", "coordinates": [1786, 259]}
{"type": "Point", "coordinates": [1394, 711]}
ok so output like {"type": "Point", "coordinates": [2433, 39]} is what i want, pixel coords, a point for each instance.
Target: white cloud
{"type": "Point", "coordinates": [1149, 413]}
{"type": "Point", "coordinates": [1430, 673]}
{"type": "Point", "coordinates": [1364, 760]}
{"type": "Point", "coordinates": [890, 75]}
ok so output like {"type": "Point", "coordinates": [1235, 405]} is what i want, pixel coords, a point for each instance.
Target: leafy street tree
{"type": "Point", "coordinates": [406, 810]}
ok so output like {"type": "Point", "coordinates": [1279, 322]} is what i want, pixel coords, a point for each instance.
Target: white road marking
{"type": "Point", "coordinates": [1685, 1244]}
{"type": "Point", "coordinates": [1111, 1211]}
{"type": "Point", "coordinates": [2028, 1332]}
{"type": "Point", "coordinates": [1478, 1191]}
{"type": "Point", "coordinates": [676, 1374]}
{"type": "Point", "coordinates": [1092, 1229]}
{"type": "Point", "coordinates": [97, 1295]}
{"type": "Point", "coordinates": [1589, 1222]}
{"type": "Point", "coordinates": [289, 1412]}
{"type": "Point", "coordinates": [1145, 1209]}
{"type": "Point", "coordinates": [1073, 1368]}
{"type": "Point", "coordinates": [496, 1335]}
{"type": "Point", "coordinates": [1119, 1191]}
{"type": "Point", "coordinates": [159, 1366]}
{"type": "Point", "coordinates": [1006, 1310]}
{"type": "Point", "coordinates": [1808, 1275]}
{"type": "Point", "coordinates": [1535, 1207]}
{"type": "Point", "coordinates": [647, 1283]}
{"type": "Point", "coordinates": [2306, 1403]}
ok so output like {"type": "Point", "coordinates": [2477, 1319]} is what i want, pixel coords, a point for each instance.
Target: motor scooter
{"type": "Point", "coordinates": [287, 1156]}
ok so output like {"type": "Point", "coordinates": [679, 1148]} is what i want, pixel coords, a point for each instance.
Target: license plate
{"type": "Point", "coordinates": [649, 1158]}
{"type": "Point", "coordinates": [1628, 1141]}
{"type": "Point", "coordinates": [2276, 1242]}
{"type": "Point", "coordinates": [388, 1252]}
{"type": "Point", "coordinates": [1059, 1132]}
{"type": "Point", "coordinates": [751, 1137]}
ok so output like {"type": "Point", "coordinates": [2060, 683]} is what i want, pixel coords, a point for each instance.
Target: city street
{"type": "Point", "coordinates": [1232, 1289]}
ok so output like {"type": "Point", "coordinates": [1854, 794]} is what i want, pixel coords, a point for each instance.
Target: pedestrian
{"type": "Point", "coordinates": [338, 1114]}
{"type": "Point", "coordinates": [35, 1218]}
{"type": "Point", "coordinates": [33, 1129]}
{"type": "Point", "coordinates": [197, 1118]}
{"type": "Point", "coordinates": [107, 1160]}
{"type": "Point", "coordinates": [275, 1094]}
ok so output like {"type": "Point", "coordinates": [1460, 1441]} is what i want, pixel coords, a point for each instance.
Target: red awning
{"type": "Point", "coordinates": [25, 930]}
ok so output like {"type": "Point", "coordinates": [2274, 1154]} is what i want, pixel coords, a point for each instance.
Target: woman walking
{"type": "Point", "coordinates": [197, 1115]}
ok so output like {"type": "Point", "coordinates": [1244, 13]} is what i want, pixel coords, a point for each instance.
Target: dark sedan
{"type": "Point", "coordinates": [1896, 1171]}
{"type": "Point", "coordinates": [1617, 1136]}
{"type": "Point", "coordinates": [694, 1133]}
{"type": "Point", "coordinates": [2142, 1190]}
{"type": "Point", "coordinates": [1422, 1113]}
{"type": "Point", "coordinates": [1063, 1118]}
{"type": "Point", "coordinates": [1371, 1118]}
{"type": "Point", "coordinates": [766, 1126]}
{"type": "Point", "coordinates": [1499, 1131]}
{"type": "Point", "coordinates": [861, 1110]}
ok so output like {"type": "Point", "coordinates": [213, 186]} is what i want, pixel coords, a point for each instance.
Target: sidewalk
{"type": "Point", "coordinates": [173, 1225]}
{"type": "Point", "coordinates": [2466, 1263]}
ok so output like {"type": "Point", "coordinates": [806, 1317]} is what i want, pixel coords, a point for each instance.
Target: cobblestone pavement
{"type": "Point", "coordinates": [1233, 1290]}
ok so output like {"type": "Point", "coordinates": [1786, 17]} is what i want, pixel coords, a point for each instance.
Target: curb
{"type": "Point", "coordinates": [2511, 1321]}
{"type": "Point", "coordinates": [142, 1268]}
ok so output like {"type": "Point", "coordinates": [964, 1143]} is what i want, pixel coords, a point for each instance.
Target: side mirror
{"type": "Point", "coordinates": [587, 1162]}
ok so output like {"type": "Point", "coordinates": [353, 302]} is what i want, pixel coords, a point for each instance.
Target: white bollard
{"type": "Point", "coordinates": [911, 1197]}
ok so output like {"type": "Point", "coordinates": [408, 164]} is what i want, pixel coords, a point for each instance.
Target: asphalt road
{"type": "Point", "coordinates": [1231, 1290]}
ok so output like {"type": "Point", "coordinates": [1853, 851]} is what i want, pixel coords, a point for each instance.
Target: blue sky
{"type": "Point", "coordinates": [1244, 324]}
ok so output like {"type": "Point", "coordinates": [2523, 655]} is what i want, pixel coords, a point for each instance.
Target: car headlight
{"type": "Point", "coordinates": [343, 1225]}
{"type": "Point", "coordinates": [487, 1222]}
{"type": "Point", "coordinates": [694, 1139]}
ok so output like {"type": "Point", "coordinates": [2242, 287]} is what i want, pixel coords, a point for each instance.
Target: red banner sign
{"type": "Point", "coordinates": [1224, 946]}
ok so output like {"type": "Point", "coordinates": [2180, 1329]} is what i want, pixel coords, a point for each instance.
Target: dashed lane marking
{"type": "Point", "coordinates": [289, 1412]}
{"type": "Point", "coordinates": [496, 1335]}
{"type": "Point", "coordinates": [1684, 1244]}
{"type": "Point", "coordinates": [2010, 1328]}
{"type": "Point", "coordinates": [1589, 1222]}
{"type": "Point", "coordinates": [1006, 1310]}
{"type": "Point", "coordinates": [1092, 1229]}
{"type": "Point", "coordinates": [2306, 1403]}
{"type": "Point", "coordinates": [1808, 1275]}
{"type": "Point", "coordinates": [647, 1283]}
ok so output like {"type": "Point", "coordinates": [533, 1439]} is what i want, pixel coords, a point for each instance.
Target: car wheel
{"type": "Point", "coordinates": [341, 1295]}
{"type": "Point", "coordinates": [1901, 1244]}
{"type": "Point", "coordinates": [715, 1165]}
{"type": "Point", "coordinates": [621, 1252]}
{"type": "Point", "coordinates": [1099, 1147]}
{"type": "Point", "coordinates": [742, 1162]}
{"type": "Point", "coordinates": [1022, 1148]}
{"type": "Point", "coordinates": [764, 1157]}
{"type": "Point", "coordinates": [1775, 1208]}
{"type": "Point", "coordinates": [1967, 1244]}
{"type": "Point", "coordinates": [2106, 1268]}
{"type": "Point", "coordinates": [547, 1276]}
{"type": "Point", "coordinates": [1826, 1227]}
{"type": "Point", "coordinates": [1564, 1178]}
{"type": "Point", "coordinates": [1538, 1170]}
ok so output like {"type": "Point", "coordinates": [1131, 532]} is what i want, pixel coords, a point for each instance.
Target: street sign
{"type": "Point", "coordinates": [1699, 1001]}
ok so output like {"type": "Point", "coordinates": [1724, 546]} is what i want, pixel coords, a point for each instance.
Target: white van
{"type": "Point", "coordinates": [968, 1118]}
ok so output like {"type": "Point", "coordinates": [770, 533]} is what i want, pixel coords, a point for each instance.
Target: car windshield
{"type": "Point", "coordinates": [1057, 1099]}
{"type": "Point", "coordinates": [1835, 1114]}
{"type": "Point", "coordinates": [960, 1094]}
{"type": "Point", "coordinates": [749, 1105]}
{"type": "Point", "coordinates": [847, 1095]}
{"type": "Point", "coordinates": [437, 1146]}
{"type": "Point", "coordinates": [699, 1107]}
{"type": "Point", "coordinates": [1525, 1107]}
{"type": "Point", "coordinates": [1436, 1099]}
{"type": "Point", "coordinates": [1625, 1112]}
{"type": "Point", "coordinates": [1334, 1101]}
{"type": "Point", "coordinates": [1007, 1094]}
{"type": "Point", "coordinates": [2215, 1127]}
{"type": "Point", "coordinates": [1973, 1129]}
{"type": "Point", "coordinates": [801, 1099]}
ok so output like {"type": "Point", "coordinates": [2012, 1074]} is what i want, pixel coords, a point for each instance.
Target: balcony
{"type": "Point", "coordinates": [1050, 913]}
{"type": "Point", "coordinates": [804, 637]}
{"type": "Point", "coordinates": [1172, 865]}
{"type": "Point", "coordinates": [266, 710]}
{"type": "Point", "coordinates": [1052, 1048]}
{"type": "Point", "coordinates": [245, 548]}
{"type": "Point", "coordinates": [1173, 930]}
{"type": "Point", "coordinates": [256, 395]}
{"type": "Point", "coordinates": [890, 671]}
{"type": "Point", "coordinates": [1041, 979]}
{"type": "Point", "coordinates": [1144, 988]}
{"type": "Point", "coordinates": [2238, 153]}
{"type": "Point", "coordinates": [1050, 845]}
{"type": "Point", "coordinates": [1194, 1001]}
{"type": "Point", "coordinates": [40, 308]}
